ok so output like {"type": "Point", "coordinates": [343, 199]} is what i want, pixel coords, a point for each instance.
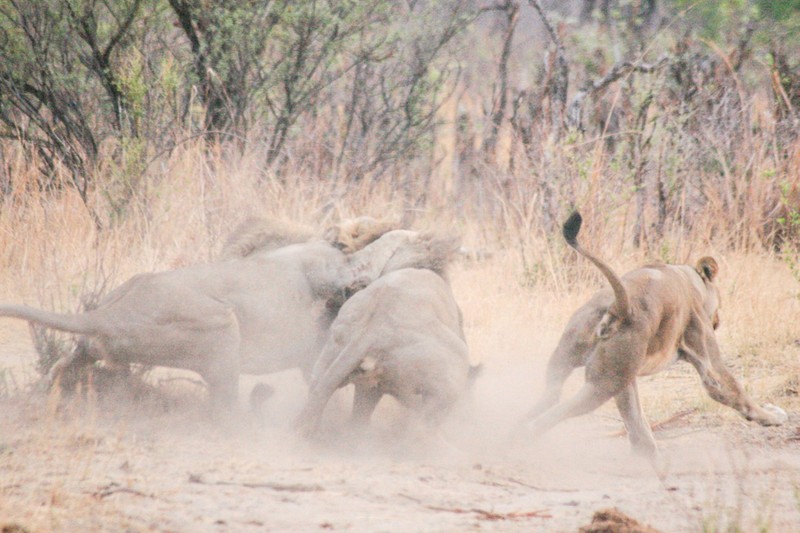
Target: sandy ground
{"type": "Point", "coordinates": [159, 464]}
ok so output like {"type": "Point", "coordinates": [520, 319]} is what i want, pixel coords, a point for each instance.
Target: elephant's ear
{"type": "Point", "coordinates": [430, 252]}
{"type": "Point", "coordinates": [366, 265]}
{"type": "Point", "coordinates": [396, 250]}
{"type": "Point", "coordinates": [346, 274]}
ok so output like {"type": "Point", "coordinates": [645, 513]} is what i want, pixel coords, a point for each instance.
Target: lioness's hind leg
{"type": "Point", "coordinates": [639, 433]}
{"type": "Point", "coordinates": [568, 355]}
{"type": "Point", "coordinates": [586, 400]}
{"type": "Point", "coordinates": [701, 350]}
{"type": "Point", "coordinates": [609, 370]}
{"type": "Point", "coordinates": [558, 370]}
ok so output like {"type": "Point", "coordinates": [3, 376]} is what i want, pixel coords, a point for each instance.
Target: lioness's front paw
{"type": "Point", "coordinates": [775, 415]}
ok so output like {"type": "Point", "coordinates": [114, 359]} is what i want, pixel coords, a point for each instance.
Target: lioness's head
{"type": "Point", "coordinates": [707, 268]}
{"type": "Point", "coordinates": [354, 234]}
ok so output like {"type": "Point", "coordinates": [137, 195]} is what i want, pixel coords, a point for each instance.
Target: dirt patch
{"type": "Point", "coordinates": [614, 521]}
{"type": "Point", "coordinates": [153, 461]}
{"type": "Point", "coordinates": [163, 466]}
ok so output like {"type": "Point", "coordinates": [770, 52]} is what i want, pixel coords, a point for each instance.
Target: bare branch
{"type": "Point", "coordinates": [559, 74]}
{"type": "Point", "coordinates": [619, 70]}
{"type": "Point", "coordinates": [549, 27]}
{"type": "Point", "coordinates": [511, 10]}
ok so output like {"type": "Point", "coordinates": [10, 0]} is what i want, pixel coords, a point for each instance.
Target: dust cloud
{"type": "Point", "coordinates": [150, 458]}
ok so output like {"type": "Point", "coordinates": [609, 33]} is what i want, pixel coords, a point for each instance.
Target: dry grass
{"type": "Point", "coordinates": [515, 299]}
{"type": "Point", "coordinates": [526, 281]}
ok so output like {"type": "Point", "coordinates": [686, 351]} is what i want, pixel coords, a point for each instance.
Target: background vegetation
{"type": "Point", "coordinates": [135, 134]}
{"type": "Point", "coordinates": [667, 116]}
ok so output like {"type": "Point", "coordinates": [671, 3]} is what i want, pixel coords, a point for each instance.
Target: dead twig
{"type": "Point", "coordinates": [114, 488]}
{"type": "Point", "coordinates": [519, 482]}
{"type": "Point", "coordinates": [491, 515]}
{"type": "Point", "coordinates": [659, 425]}
{"type": "Point", "coordinates": [483, 513]}
{"type": "Point", "coordinates": [283, 487]}
{"type": "Point", "coordinates": [591, 87]}
{"type": "Point", "coordinates": [535, 487]}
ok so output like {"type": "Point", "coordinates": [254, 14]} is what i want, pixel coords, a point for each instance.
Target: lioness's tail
{"type": "Point", "coordinates": [571, 228]}
{"type": "Point", "coordinates": [79, 324]}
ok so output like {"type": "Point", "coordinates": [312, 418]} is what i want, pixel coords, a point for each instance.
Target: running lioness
{"type": "Point", "coordinates": [651, 317]}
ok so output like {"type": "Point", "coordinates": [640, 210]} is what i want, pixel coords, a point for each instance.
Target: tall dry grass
{"type": "Point", "coordinates": [518, 286]}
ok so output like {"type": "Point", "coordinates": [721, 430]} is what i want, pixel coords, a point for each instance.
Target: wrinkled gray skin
{"type": "Point", "coordinates": [256, 314]}
{"type": "Point", "coordinates": [651, 317]}
{"type": "Point", "coordinates": [402, 336]}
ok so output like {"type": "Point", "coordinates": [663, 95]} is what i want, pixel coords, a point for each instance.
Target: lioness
{"type": "Point", "coordinates": [651, 317]}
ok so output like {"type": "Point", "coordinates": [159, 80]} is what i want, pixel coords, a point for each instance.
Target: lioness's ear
{"type": "Point", "coordinates": [707, 267]}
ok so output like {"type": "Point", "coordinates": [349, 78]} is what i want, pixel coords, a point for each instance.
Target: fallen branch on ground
{"type": "Point", "coordinates": [114, 488]}
{"type": "Point", "coordinates": [483, 513]}
{"type": "Point", "coordinates": [285, 487]}
{"type": "Point", "coordinates": [524, 484]}
{"type": "Point", "coordinates": [660, 424]}
{"type": "Point", "coordinates": [491, 515]}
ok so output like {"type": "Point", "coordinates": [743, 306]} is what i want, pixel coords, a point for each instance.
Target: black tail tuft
{"type": "Point", "coordinates": [571, 228]}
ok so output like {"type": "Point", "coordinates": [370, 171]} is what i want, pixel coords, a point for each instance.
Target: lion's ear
{"type": "Point", "coordinates": [707, 267]}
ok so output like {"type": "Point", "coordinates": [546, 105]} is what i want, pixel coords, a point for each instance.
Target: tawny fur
{"type": "Point", "coordinates": [650, 318]}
